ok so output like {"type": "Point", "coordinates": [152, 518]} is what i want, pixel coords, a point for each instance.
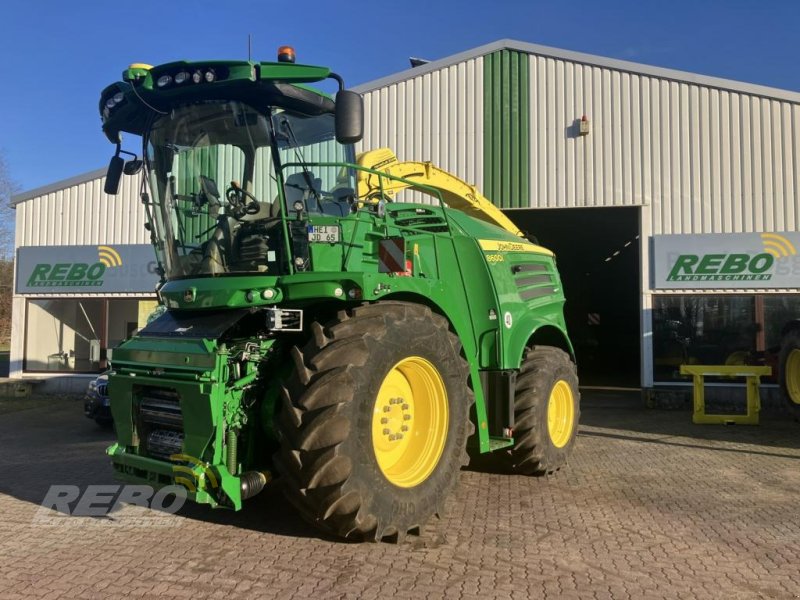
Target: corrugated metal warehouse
{"type": "Point", "coordinates": [670, 199]}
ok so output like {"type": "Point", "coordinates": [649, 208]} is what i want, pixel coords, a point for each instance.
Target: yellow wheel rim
{"type": "Point", "coordinates": [409, 422]}
{"type": "Point", "coordinates": [793, 376]}
{"type": "Point", "coordinates": [560, 414]}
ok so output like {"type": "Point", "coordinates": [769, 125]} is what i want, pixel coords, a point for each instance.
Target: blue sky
{"type": "Point", "coordinates": [57, 56]}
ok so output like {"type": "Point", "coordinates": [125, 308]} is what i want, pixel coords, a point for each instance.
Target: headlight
{"type": "Point", "coordinates": [114, 100]}
{"type": "Point", "coordinates": [197, 76]}
{"type": "Point", "coordinates": [210, 75]}
{"type": "Point", "coordinates": [164, 80]}
{"type": "Point", "coordinates": [181, 77]}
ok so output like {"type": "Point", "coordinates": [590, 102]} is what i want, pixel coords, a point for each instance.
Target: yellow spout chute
{"type": "Point", "coordinates": [455, 192]}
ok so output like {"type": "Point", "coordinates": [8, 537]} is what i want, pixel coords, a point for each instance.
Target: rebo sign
{"type": "Point", "coordinates": [87, 269]}
{"type": "Point", "coordinates": [725, 261]}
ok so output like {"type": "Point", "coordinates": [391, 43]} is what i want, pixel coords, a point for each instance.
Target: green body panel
{"type": "Point", "coordinates": [212, 401]}
{"type": "Point", "coordinates": [506, 123]}
{"type": "Point", "coordinates": [216, 369]}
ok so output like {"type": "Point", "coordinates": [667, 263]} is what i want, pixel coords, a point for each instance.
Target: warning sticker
{"type": "Point", "coordinates": [392, 255]}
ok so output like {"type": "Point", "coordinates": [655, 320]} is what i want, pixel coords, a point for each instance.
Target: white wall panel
{"type": "Point", "coordinates": [437, 117]}
{"type": "Point", "coordinates": [703, 159]}
{"type": "Point", "coordinates": [82, 214]}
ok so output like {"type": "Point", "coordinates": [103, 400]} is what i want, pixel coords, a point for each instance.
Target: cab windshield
{"type": "Point", "coordinates": [215, 206]}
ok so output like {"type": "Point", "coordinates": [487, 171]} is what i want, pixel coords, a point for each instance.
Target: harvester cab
{"type": "Point", "coordinates": [316, 326]}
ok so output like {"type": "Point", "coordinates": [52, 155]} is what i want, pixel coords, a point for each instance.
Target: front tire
{"type": "Point", "coordinates": [546, 413]}
{"type": "Point", "coordinates": [789, 371]}
{"type": "Point", "coordinates": [374, 421]}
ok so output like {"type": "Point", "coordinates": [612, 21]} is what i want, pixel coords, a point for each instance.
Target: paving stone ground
{"type": "Point", "coordinates": [650, 506]}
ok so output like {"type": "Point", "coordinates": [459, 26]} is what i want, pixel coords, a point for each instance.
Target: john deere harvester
{"type": "Point", "coordinates": [318, 330]}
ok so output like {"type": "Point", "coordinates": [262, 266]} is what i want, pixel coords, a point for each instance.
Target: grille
{"type": "Point", "coordinates": [419, 218]}
{"type": "Point", "coordinates": [534, 280]}
{"type": "Point", "coordinates": [161, 407]}
{"type": "Point", "coordinates": [163, 443]}
{"type": "Point", "coordinates": [160, 422]}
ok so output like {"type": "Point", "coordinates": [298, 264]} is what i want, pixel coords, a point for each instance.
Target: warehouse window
{"type": "Point", "coordinates": [777, 311]}
{"type": "Point", "coordinates": [718, 330]}
{"type": "Point", "coordinates": [64, 335]}
{"type": "Point", "coordinates": [69, 335]}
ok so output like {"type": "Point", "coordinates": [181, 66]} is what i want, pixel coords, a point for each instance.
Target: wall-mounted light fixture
{"type": "Point", "coordinates": [583, 126]}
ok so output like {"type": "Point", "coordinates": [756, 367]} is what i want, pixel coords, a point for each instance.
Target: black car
{"type": "Point", "coordinates": [96, 403]}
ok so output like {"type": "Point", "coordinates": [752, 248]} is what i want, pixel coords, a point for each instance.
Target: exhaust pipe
{"type": "Point", "coordinates": [253, 482]}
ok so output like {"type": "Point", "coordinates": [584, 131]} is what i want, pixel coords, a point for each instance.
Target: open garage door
{"type": "Point", "coordinates": [598, 257]}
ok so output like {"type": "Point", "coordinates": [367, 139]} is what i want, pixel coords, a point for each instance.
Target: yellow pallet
{"type": "Point", "coordinates": [752, 374]}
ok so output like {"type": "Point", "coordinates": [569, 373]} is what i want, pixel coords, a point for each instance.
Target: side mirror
{"type": "Point", "coordinates": [113, 175]}
{"type": "Point", "coordinates": [132, 167]}
{"type": "Point", "coordinates": [349, 117]}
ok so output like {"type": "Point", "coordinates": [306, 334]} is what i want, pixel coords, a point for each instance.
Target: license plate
{"type": "Point", "coordinates": [323, 233]}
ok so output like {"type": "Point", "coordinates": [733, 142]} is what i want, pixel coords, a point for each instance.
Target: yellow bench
{"type": "Point", "coordinates": [753, 379]}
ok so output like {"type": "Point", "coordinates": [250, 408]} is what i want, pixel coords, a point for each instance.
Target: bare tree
{"type": "Point", "coordinates": [7, 220]}
{"type": "Point", "coordinates": [8, 187]}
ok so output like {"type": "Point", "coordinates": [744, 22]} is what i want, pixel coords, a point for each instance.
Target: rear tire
{"type": "Point", "coordinates": [789, 371]}
{"type": "Point", "coordinates": [343, 463]}
{"type": "Point", "coordinates": [546, 413]}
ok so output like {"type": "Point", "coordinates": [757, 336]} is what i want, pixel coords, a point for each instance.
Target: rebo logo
{"type": "Point", "coordinates": [722, 267]}
{"type": "Point", "coordinates": [75, 274]}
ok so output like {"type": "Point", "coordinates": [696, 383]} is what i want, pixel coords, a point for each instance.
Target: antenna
{"type": "Point", "coordinates": [248, 47]}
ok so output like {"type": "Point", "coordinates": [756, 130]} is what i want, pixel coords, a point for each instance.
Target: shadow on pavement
{"type": "Point", "coordinates": [53, 443]}
{"type": "Point", "coordinates": [269, 512]}
{"type": "Point", "coordinates": [623, 415]}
